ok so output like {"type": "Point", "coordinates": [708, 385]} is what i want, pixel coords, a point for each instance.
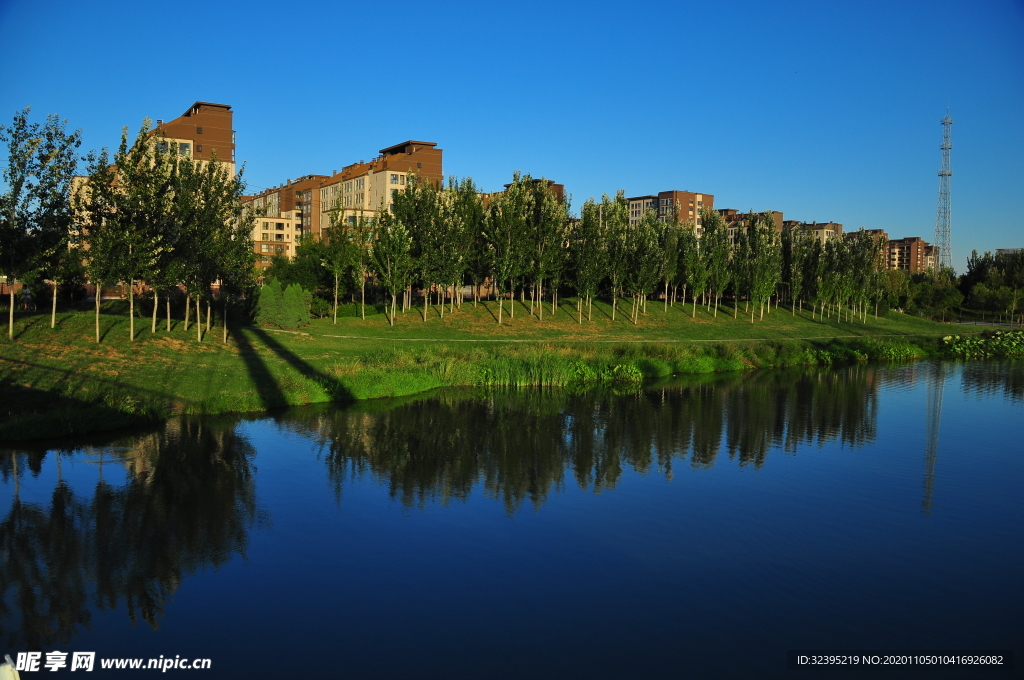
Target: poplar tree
{"type": "Point", "coordinates": [391, 257]}
{"type": "Point", "coordinates": [692, 264]}
{"type": "Point", "coordinates": [715, 247]}
{"type": "Point", "coordinates": [645, 258]}
{"type": "Point", "coordinates": [506, 226]}
{"type": "Point", "coordinates": [546, 234]}
{"type": "Point", "coordinates": [588, 256]}
{"type": "Point", "coordinates": [142, 223]}
{"type": "Point", "coordinates": [615, 217]}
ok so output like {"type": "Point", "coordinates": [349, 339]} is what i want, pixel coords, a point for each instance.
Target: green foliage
{"type": "Point", "coordinates": [319, 307]}
{"type": "Point", "coordinates": [986, 346]}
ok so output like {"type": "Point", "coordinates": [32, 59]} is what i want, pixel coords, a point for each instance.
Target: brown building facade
{"type": "Point", "coordinates": [205, 131]}
{"type": "Point", "coordinates": [911, 254]}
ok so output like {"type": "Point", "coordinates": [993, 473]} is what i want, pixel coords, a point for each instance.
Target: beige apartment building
{"type": "Point", "coordinates": [303, 208]}
{"type": "Point", "coordinates": [361, 189]}
{"type": "Point", "coordinates": [822, 231]}
{"type": "Point", "coordinates": [279, 235]}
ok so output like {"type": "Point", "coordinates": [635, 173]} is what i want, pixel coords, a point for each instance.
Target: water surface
{"type": "Point", "coordinates": [700, 527]}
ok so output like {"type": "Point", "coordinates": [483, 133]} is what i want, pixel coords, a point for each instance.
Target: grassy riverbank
{"type": "Point", "coordinates": [55, 382]}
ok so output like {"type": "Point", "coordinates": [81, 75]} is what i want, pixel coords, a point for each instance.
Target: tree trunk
{"type": "Point", "coordinates": [98, 296]}
{"type": "Point", "coordinates": [362, 296]}
{"type": "Point", "coordinates": [499, 308]}
{"type": "Point", "coordinates": [209, 312]}
{"type": "Point", "coordinates": [53, 311]}
{"type": "Point", "coordinates": [540, 298]}
{"type": "Point", "coordinates": [426, 293]}
{"type": "Point", "coordinates": [199, 319]}
{"type": "Point", "coordinates": [394, 303]}
{"type": "Point", "coordinates": [168, 311]}
{"type": "Point", "coordinates": [440, 298]}
{"type": "Point", "coordinates": [131, 311]}
{"type": "Point", "coordinates": [10, 316]}
{"type": "Point", "coordinates": [579, 308]}
{"type": "Point", "coordinates": [188, 309]}
{"type": "Point", "coordinates": [336, 276]}
{"type": "Point", "coordinates": [512, 304]}
{"type": "Point", "coordinates": [156, 303]}
{"type": "Point", "coordinates": [224, 314]}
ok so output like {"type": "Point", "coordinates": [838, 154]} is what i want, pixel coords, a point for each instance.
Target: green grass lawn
{"type": "Point", "coordinates": [63, 371]}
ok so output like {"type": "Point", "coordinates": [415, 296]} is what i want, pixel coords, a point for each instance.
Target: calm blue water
{"type": "Point", "coordinates": [697, 528]}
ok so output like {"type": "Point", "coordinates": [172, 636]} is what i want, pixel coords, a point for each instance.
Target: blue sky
{"type": "Point", "coordinates": [825, 111]}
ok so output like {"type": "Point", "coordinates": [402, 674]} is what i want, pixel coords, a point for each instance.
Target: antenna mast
{"type": "Point", "coordinates": [942, 238]}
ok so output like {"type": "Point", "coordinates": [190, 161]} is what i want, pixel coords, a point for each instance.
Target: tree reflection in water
{"type": "Point", "coordinates": [1004, 378]}
{"type": "Point", "coordinates": [189, 502]}
{"type": "Point", "coordinates": [188, 498]}
{"type": "Point", "coordinates": [521, 444]}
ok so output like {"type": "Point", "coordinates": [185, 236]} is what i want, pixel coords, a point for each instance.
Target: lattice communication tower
{"type": "Point", "coordinates": [942, 238]}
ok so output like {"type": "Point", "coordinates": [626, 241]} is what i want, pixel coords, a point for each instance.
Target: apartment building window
{"type": "Point", "coordinates": [161, 147]}
{"type": "Point", "coordinates": [199, 148]}
{"type": "Point", "coordinates": [394, 192]}
{"type": "Point", "coordinates": [278, 237]}
{"type": "Point", "coordinates": [264, 248]}
{"type": "Point", "coordinates": [700, 204]}
{"type": "Point", "coordinates": [199, 130]}
{"type": "Point", "coordinates": [394, 179]}
{"type": "Point", "coordinates": [401, 179]}
{"type": "Point", "coordinates": [264, 259]}
{"type": "Point", "coordinates": [280, 227]}
{"type": "Point", "coordinates": [266, 236]}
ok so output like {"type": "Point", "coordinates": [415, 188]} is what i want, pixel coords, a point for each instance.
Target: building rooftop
{"type": "Point", "coordinates": [404, 147]}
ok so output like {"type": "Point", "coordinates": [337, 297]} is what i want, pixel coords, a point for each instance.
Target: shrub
{"type": "Point", "coordinates": [269, 301]}
{"type": "Point", "coordinates": [295, 307]}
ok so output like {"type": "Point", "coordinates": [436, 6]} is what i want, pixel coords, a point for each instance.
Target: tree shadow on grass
{"type": "Point", "coordinates": [267, 387]}
{"type": "Point", "coordinates": [483, 303]}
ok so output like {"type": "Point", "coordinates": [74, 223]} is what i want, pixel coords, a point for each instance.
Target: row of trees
{"type": "Point", "coordinates": [995, 284]}
{"type": "Point", "coordinates": [152, 215]}
{"type": "Point", "coordinates": [524, 241]}
{"type": "Point", "coordinates": [144, 216]}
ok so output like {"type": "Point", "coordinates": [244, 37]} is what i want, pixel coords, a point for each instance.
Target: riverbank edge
{"type": "Point", "coordinates": [405, 371]}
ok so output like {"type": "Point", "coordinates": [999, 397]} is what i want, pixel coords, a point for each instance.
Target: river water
{"type": "Point", "coordinates": [699, 527]}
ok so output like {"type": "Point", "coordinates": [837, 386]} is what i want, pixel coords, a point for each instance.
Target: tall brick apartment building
{"type": "Point", "coordinates": [687, 203]}
{"type": "Point", "coordinates": [204, 132]}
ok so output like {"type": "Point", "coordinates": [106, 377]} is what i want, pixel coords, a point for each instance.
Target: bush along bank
{"type": "Point", "coordinates": [994, 345]}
